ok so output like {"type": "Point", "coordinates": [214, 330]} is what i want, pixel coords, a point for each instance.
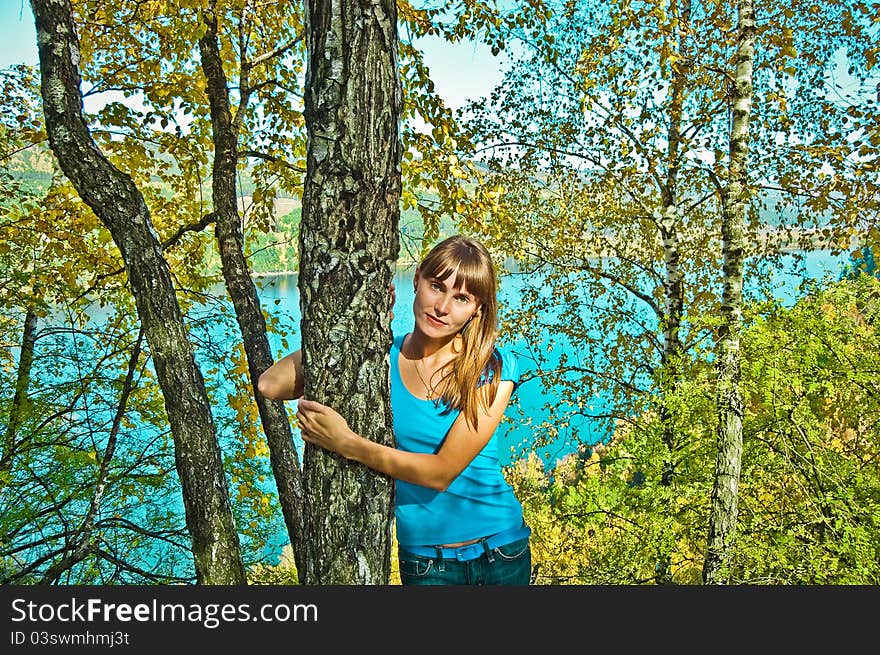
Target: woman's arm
{"type": "Point", "coordinates": [323, 426]}
{"type": "Point", "coordinates": [284, 379]}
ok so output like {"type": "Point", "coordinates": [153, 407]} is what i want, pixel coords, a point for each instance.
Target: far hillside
{"type": "Point", "coordinates": [275, 251]}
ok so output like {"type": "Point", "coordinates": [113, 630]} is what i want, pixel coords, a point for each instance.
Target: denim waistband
{"type": "Point", "coordinates": [474, 550]}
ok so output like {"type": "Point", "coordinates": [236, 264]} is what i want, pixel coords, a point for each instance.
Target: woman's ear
{"type": "Point", "coordinates": [416, 278]}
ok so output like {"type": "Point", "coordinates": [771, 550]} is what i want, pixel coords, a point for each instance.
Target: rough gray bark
{"type": "Point", "coordinates": [348, 247]}
{"type": "Point", "coordinates": [22, 381]}
{"type": "Point", "coordinates": [230, 240]}
{"type": "Point", "coordinates": [734, 198]}
{"type": "Point", "coordinates": [121, 208]}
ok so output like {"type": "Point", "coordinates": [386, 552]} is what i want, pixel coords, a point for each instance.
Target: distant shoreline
{"type": "Point", "coordinates": [792, 247]}
{"type": "Point", "coordinates": [400, 266]}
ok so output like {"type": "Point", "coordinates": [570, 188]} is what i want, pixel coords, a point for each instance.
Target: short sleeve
{"type": "Point", "coordinates": [510, 368]}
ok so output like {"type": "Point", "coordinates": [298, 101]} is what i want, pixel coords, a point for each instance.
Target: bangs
{"type": "Point", "coordinates": [469, 269]}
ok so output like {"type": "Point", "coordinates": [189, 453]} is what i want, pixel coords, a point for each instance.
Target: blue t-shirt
{"type": "Point", "coordinates": [479, 502]}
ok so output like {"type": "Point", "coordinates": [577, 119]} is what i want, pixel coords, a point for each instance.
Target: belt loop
{"type": "Point", "coordinates": [441, 563]}
{"type": "Point", "coordinates": [488, 550]}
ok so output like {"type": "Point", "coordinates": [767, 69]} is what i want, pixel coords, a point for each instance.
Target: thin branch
{"type": "Point", "coordinates": [198, 226]}
{"type": "Point", "coordinates": [266, 56]}
{"type": "Point", "coordinates": [272, 158]}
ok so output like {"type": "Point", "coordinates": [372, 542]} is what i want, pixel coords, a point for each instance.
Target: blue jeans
{"type": "Point", "coordinates": [510, 564]}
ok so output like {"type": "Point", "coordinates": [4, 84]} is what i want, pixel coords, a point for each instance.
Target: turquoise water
{"type": "Point", "coordinates": [515, 437]}
{"type": "Point", "coordinates": [280, 295]}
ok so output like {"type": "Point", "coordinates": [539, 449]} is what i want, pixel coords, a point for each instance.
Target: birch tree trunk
{"type": "Point", "coordinates": [246, 302]}
{"type": "Point", "coordinates": [348, 248]}
{"type": "Point", "coordinates": [117, 202]}
{"type": "Point", "coordinates": [674, 280]}
{"type": "Point", "coordinates": [734, 199]}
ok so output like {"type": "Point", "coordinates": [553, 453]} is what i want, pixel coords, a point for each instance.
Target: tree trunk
{"type": "Point", "coordinates": [671, 365]}
{"type": "Point", "coordinates": [22, 381]}
{"type": "Point", "coordinates": [251, 322]}
{"type": "Point", "coordinates": [348, 248]}
{"type": "Point", "coordinates": [722, 520]}
{"type": "Point", "coordinates": [119, 205]}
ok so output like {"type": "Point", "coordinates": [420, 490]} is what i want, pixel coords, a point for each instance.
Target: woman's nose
{"type": "Point", "coordinates": [442, 305]}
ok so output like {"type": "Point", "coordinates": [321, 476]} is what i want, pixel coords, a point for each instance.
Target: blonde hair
{"type": "Point", "coordinates": [470, 381]}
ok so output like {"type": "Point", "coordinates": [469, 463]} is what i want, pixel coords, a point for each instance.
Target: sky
{"type": "Point", "coordinates": [18, 43]}
{"type": "Point", "coordinates": [460, 71]}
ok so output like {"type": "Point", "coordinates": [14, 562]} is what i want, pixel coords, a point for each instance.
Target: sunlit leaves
{"type": "Point", "coordinates": [812, 438]}
{"type": "Point", "coordinates": [809, 511]}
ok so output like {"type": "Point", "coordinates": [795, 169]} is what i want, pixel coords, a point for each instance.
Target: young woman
{"type": "Point", "coordinates": [457, 519]}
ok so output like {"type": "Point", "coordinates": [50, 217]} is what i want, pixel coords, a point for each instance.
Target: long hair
{"type": "Point", "coordinates": [469, 381]}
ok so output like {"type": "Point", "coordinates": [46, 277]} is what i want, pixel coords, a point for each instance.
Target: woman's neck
{"type": "Point", "coordinates": [420, 346]}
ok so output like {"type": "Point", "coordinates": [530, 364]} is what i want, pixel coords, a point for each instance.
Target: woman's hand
{"type": "Point", "coordinates": [323, 426]}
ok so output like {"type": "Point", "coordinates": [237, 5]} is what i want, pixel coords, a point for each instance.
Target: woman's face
{"type": "Point", "coordinates": [440, 309]}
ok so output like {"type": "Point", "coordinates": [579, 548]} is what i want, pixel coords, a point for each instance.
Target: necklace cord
{"type": "Point", "coordinates": [431, 390]}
